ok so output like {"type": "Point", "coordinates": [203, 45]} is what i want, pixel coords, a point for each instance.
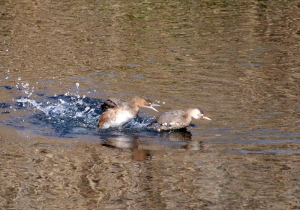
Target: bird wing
{"type": "Point", "coordinates": [111, 103]}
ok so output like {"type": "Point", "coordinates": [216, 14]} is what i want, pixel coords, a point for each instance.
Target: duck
{"type": "Point", "coordinates": [176, 119]}
{"type": "Point", "coordinates": [118, 112]}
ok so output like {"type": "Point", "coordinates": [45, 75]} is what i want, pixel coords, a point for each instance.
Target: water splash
{"type": "Point", "coordinates": [65, 110]}
{"type": "Point", "coordinates": [69, 112]}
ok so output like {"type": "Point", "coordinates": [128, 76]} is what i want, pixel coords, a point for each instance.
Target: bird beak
{"type": "Point", "coordinates": [151, 107]}
{"type": "Point", "coordinates": [206, 118]}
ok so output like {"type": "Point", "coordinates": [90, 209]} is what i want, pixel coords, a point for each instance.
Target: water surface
{"type": "Point", "coordinates": [236, 60]}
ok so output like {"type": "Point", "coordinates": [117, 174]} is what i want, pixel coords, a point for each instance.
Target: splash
{"type": "Point", "coordinates": [71, 111]}
{"type": "Point", "coordinates": [65, 110]}
{"type": "Point", "coordinates": [67, 114]}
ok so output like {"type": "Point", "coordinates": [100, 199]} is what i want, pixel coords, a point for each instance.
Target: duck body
{"type": "Point", "coordinates": [115, 117]}
{"type": "Point", "coordinates": [176, 119]}
{"type": "Point", "coordinates": [118, 113]}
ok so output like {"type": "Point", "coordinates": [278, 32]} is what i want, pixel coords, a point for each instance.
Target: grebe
{"type": "Point", "coordinates": [122, 112]}
{"type": "Point", "coordinates": [176, 119]}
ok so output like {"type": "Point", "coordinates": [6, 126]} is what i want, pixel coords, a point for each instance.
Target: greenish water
{"type": "Point", "coordinates": [236, 60]}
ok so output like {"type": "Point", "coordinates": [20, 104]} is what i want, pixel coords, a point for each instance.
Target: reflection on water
{"type": "Point", "coordinates": [151, 140]}
{"type": "Point", "coordinates": [236, 60]}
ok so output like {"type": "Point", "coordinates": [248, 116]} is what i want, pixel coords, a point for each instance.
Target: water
{"type": "Point", "coordinates": [236, 60]}
{"type": "Point", "coordinates": [70, 116]}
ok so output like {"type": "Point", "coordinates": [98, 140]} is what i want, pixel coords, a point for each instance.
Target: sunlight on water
{"type": "Point", "coordinates": [237, 60]}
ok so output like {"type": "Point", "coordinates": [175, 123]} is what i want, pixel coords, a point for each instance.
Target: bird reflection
{"type": "Point", "coordinates": [176, 135]}
{"type": "Point", "coordinates": [141, 147]}
{"type": "Point", "coordinates": [140, 154]}
{"type": "Point", "coordinates": [120, 140]}
{"type": "Point", "coordinates": [182, 137]}
{"type": "Point", "coordinates": [127, 141]}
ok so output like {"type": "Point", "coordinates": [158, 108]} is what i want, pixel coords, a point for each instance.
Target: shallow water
{"type": "Point", "coordinates": [236, 60]}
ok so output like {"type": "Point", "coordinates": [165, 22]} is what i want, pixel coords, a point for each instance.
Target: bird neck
{"type": "Point", "coordinates": [134, 106]}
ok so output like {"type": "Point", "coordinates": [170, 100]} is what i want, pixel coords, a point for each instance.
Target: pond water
{"type": "Point", "coordinates": [236, 60]}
